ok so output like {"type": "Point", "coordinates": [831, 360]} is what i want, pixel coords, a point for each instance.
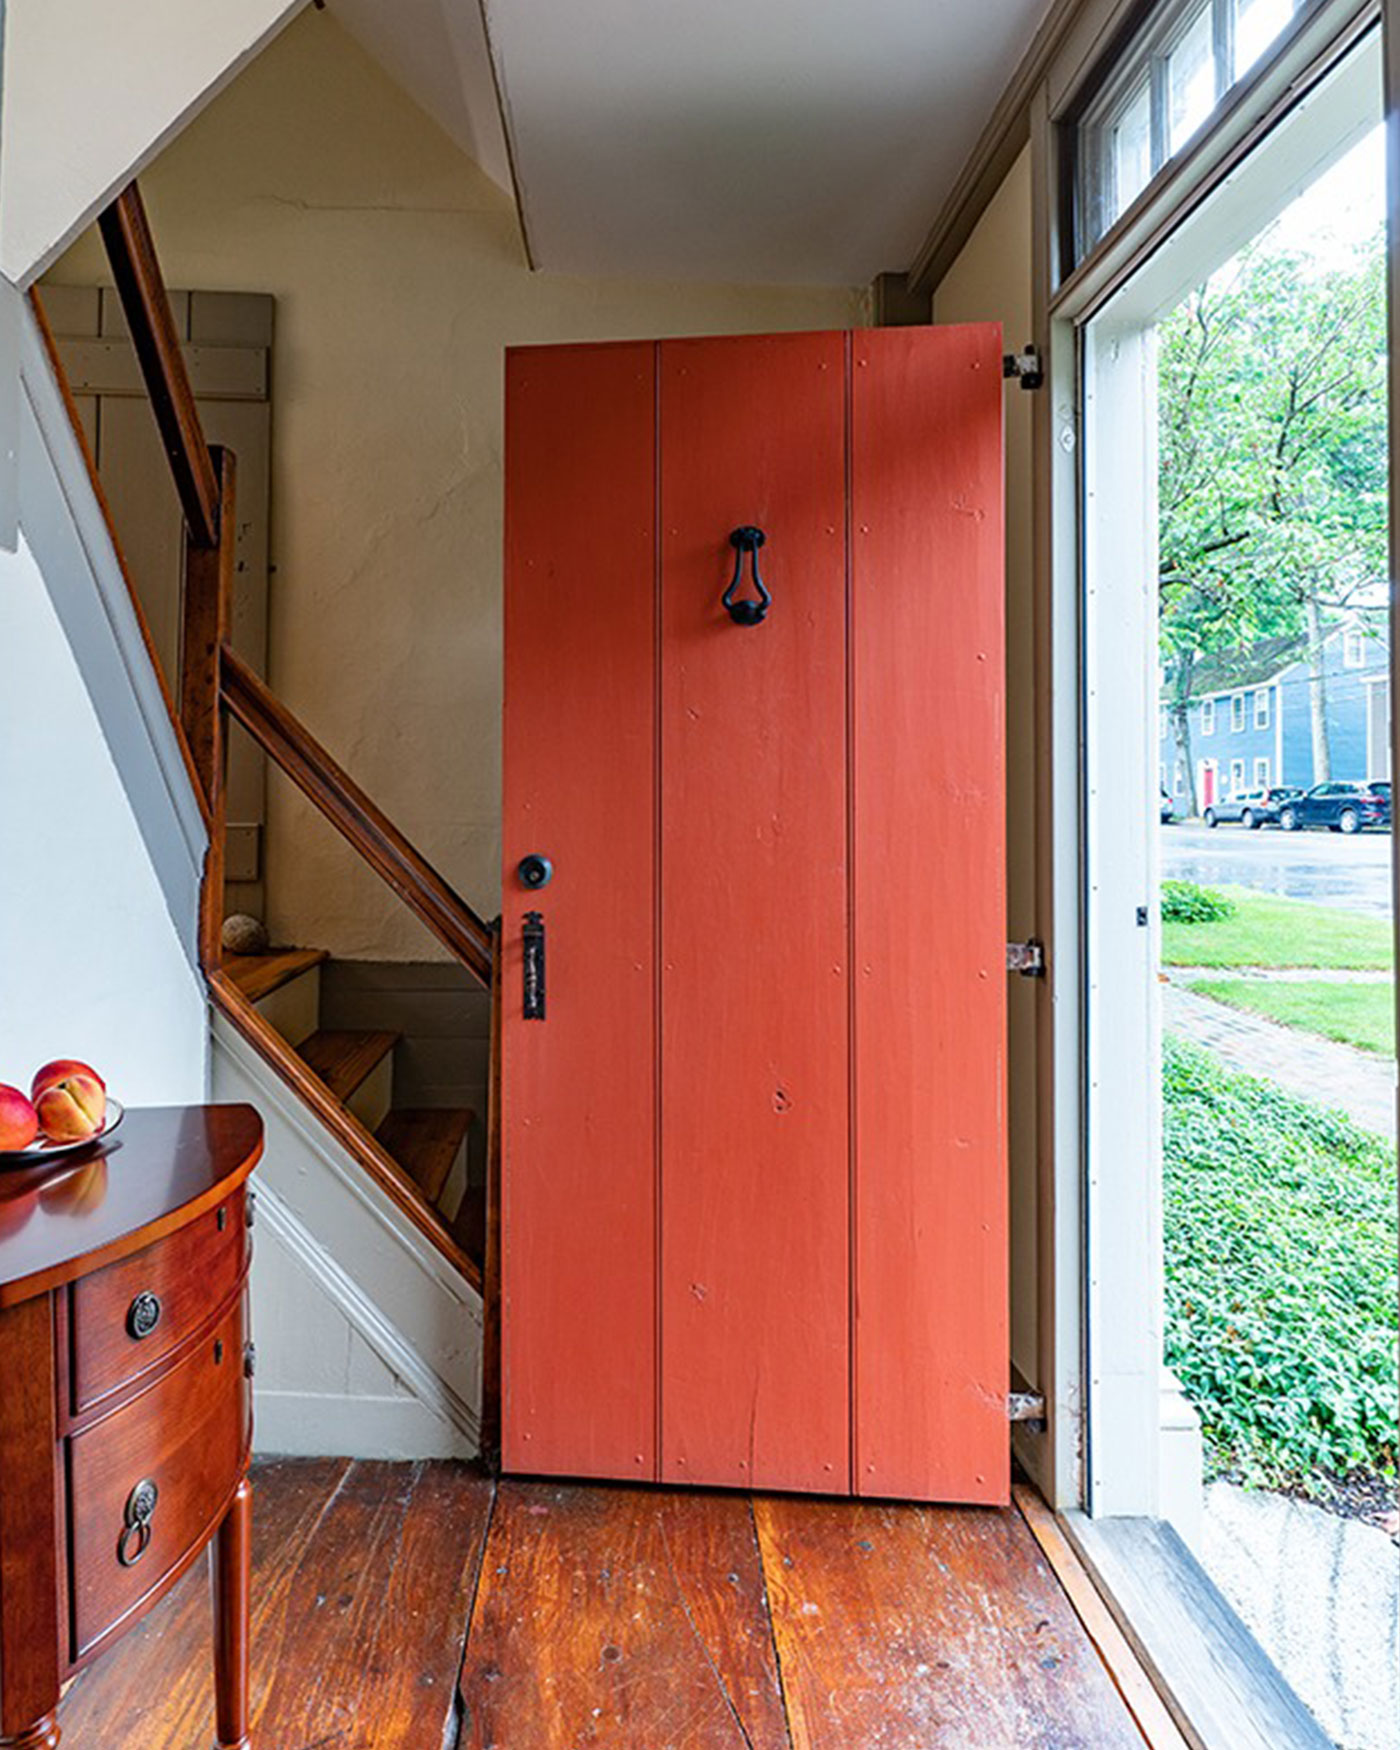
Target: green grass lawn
{"type": "Point", "coordinates": [1280, 1241]}
{"type": "Point", "coordinates": [1280, 932]}
{"type": "Point", "coordinates": [1354, 1014]}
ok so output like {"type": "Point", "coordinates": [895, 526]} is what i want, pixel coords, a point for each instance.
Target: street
{"type": "Point", "coordinates": [1326, 867]}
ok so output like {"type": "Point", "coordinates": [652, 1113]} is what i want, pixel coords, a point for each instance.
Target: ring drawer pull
{"type": "Point", "coordinates": [143, 1315]}
{"type": "Point", "coordinates": [135, 1539]}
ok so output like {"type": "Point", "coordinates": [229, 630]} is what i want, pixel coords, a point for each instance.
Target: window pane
{"type": "Point", "coordinates": [1190, 81]}
{"type": "Point", "coordinates": [1257, 23]}
{"type": "Point", "coordinates": [1132, 149]}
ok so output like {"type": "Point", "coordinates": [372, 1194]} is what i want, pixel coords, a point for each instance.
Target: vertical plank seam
{"type": "Point", "coordinates": [852, 1206]}
{"type": "Point", "coordinates": [658, 1175]}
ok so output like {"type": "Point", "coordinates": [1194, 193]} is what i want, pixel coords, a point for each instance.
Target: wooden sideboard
{"type": "Point", "coordinates": [125, 1401]}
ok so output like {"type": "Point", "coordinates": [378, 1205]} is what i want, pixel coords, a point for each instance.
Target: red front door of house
{"type": "Point", "coordinates": [754, 1176]}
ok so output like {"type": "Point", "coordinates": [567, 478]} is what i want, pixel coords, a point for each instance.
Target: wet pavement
{"type": "Point", "coordinates": [1325, 867]}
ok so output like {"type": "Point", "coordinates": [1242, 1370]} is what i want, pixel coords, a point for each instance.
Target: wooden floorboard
{"type": "Point", "coordinates": [905, 1627]}
{"type": "Point", "coordinates": [624, 1617]}
{"type": "Point", "coordinates": [422, 1607]}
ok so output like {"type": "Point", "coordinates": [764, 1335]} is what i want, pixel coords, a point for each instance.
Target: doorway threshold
{"type": "Point", "coordinates": [1221, 1687]}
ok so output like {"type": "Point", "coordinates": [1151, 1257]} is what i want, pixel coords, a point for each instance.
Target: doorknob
{"type": "Point", "coordinates": [535, 871]}
{"type": "Point", "coordinates": [746, 612]}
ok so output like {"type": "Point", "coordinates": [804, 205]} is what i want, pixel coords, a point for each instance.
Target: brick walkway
{"type": "Point", "coordinates": [1315, 1069]}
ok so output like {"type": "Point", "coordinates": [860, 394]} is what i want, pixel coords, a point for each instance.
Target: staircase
{"type": "Point", "coordinates": [355, 1183]}
{"type": "Point", "coordinates": [430, 1145]}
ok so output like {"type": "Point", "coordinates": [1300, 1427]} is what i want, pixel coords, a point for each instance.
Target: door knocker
{"type": "Point", "coordinates": [746, 612]}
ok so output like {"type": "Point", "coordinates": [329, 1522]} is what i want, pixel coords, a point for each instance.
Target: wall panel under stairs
{"type": "Point", "coordinates": [368, 1341]}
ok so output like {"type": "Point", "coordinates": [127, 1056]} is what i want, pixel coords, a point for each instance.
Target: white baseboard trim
{"type": "Point", "coordinates": [313, 1425]}
{"type": "Point", "coordinates": [430, 1392]}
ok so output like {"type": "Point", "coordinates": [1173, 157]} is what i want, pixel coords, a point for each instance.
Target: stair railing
{"type": "Point", "coordinates": [214, 683]}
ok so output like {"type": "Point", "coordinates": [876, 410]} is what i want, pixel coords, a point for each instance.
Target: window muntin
{"type": "Point", "coordinates": [1165, 86]}
{"type": "Point", "coordinates": [1236, 713]}
{"type": "Point", "coordinates": [1261, 707]}
{"type": "Point", "coordinates": [1261, 773]}
{"type": "Point", "coordinates": [1208, 717]}
{"type": "Point", "coordinates": [1236, 777]}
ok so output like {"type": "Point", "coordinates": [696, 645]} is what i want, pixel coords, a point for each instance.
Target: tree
{"type": "Point", "coordinates": [1273, 463]}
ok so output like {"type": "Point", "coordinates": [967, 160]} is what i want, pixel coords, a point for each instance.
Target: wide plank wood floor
{"type": "Point", "coordinates": [426, 1607]}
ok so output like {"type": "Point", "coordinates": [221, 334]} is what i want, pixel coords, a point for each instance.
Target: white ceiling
{"type": "Point", "coordinates": [759, 140]}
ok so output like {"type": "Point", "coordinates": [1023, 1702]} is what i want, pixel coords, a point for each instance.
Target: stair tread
{"type": "Point", "coordinates": [258, 975]}
{"type": "Point", "coordinates": [425, 1140]}
{"type": "Point", "coordinates": [344, 1059]}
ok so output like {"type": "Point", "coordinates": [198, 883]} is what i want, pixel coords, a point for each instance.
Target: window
{"type": "Point", "coordinates": [1236, 713]}
{"type": "Point", "coordinates": [1261, 707]}
{"type": "Point", "coordinates": [1236, 777]}
{"type": "Point", "coordinates": [1159, 94]}
{"type": "Point", "coordinates": [1353, 648]}
{"type": "Point", "coordinates": [1208, 717]}
{"type": "Point", "coordinates": [1261, 773]}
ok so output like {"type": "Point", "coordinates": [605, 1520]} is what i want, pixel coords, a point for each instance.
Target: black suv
{"type": "Point", "coordinates": [1340, 805]}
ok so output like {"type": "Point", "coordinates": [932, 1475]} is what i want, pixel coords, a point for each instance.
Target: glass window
{"type": "Point", "coordinates": [1257, 23]}
{"type": "Point", "coordinates": [1159, 93]}
{"type": "Point", "coordinates": [1353, 648]}
{"type": "Point", "coordinates": [1208, 717]}
{"type": "Point", "coordinates": [1261, 773]}
{"type": "Point", "coordinates": [1237, 712]}
{"type": "Point", "coordinates": [1236, 777]}
{"type": "Point", "coordinates": [1190, 80]}
{"type": "Point", "coordinates": [1261, 708]}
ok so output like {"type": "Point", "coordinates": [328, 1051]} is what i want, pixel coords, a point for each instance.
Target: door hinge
{"type": "Point", "coordinates": [1027, 958]}
{"type": "Point", "coordinates": [1025, 1406]}
{"type": "Point", "coordinates": [1026, 365]}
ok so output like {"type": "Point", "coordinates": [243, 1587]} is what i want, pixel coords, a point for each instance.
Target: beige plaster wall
{"type": "Point", "coordinates": [991, 281]}
{"type": "Point", "coordinates": [399, 277]}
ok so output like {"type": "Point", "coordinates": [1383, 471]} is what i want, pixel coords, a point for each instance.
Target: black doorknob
{"type": "Point", "coordinates": [535, 871]}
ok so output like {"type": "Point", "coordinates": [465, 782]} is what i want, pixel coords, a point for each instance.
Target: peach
{"type": "Point", "coordinates": [72, 1109]}
{"type": "Point", "coordinates": [57, 1070]}
{"type": "Point", "coordinates": [19, 1122]}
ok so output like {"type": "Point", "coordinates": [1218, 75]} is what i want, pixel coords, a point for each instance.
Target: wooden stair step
{"type": "Point", "coordinates": [258, 975]}
{"type": "Point", "coordinates": [343, 1058]}
{"type": "Point", "coordinates": [425, 1141]}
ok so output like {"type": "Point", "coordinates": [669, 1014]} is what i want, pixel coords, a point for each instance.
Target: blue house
{"type": "Point", "coordinates": [1250, 715]}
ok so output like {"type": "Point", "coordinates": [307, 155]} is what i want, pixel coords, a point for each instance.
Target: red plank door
{"type": "Point", "coordinates": [754, 1178]}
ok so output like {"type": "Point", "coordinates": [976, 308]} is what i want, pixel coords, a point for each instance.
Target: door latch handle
{"type": "Point", "coordinates": [532, 959]}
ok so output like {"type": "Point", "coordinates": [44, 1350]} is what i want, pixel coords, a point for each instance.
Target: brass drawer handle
{"type": "Point", "coordinates": [143, 1315]}
{"type": "Point", "coordinates": [135, 1539]}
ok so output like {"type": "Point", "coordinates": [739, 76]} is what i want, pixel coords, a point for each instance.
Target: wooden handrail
{"type": "Point", "coordinates": [136, 270]}
{"type": "Point", "coordinates": [284, 739]}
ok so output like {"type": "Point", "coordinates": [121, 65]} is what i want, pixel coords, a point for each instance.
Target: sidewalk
{"type": "Point", "coordinates": [1315, 1069]}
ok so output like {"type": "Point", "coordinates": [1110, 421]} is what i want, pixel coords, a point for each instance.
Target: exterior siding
{"type": "Point", "coordinates": [1287, 741]}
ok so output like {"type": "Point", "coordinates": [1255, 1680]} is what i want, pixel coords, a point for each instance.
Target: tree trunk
{"type": "Point", "coordinates": [1317, 694]}
{"type": "Point", "coordinates": [1180, 714]}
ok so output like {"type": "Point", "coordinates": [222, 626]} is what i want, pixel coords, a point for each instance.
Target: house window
{"type": "Point", "coordinates": [1208, 717]}
{"type": "Point", "coordinates": [1353, 648]}
{"type": "Point", "coordinates": [1236, 777]}
{"type": "Point", "coordinates": [1157, 96]}
{"type": "Point", "coordinates": [1261, 708]}
{"type": "Point", "coordinates": [1236, 712]}
{"type": "Point", "coordinates": [1261, 773]}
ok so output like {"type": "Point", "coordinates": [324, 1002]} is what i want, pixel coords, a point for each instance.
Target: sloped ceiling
{"type": "Point", "coordinates": [803, 141]}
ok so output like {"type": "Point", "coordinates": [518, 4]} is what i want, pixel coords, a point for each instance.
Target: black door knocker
{"type": "Point", "coordinates": [747, 613]}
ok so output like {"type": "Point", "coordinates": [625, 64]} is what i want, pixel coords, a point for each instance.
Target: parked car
{"type": "Point", "coordinates": [1168, 806]}
{"type": "Point", "coordinates": [1340, 804]}
{"type": "Point", "coordinates": [1253, 808]}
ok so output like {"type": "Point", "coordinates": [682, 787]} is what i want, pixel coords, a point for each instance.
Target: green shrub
{"type": "Point", "coordinates": [1280, 1233]}
{"type": "Point", "coordinates": [1183, 902]}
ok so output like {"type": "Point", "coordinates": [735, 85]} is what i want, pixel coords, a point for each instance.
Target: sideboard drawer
{"type": "Point", "coordinates": [187, 1438]}
{"type": "Point", "coordinates": [133, 1313]}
